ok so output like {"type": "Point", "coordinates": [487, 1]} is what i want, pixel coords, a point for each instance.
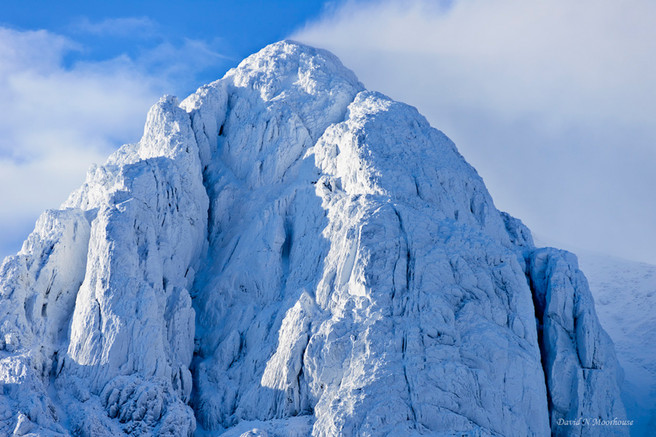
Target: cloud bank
{"type": "Point", "coordinates": [553, 102]}
{"type": "Point", "coordinates": [61, 116]}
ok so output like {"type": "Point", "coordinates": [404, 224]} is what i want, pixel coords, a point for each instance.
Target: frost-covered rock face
{"type": "Point", "coordinates": [579, 358]}
{"type": "Point", "coordinates": [286, 253]}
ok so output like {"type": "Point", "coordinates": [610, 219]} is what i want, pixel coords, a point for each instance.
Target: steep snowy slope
{"type": "Point", "coordinates": [287, 253]}
{"type": "Point", "coordinates": [625, 295]}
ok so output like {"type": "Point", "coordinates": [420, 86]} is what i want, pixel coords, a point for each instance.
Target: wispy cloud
{"type": "Point", "coordinates": [182, 61]}
{"type": "Point", "coordinates": [133, 27]}
{"type": "Point", "coordinates": [553, 102]}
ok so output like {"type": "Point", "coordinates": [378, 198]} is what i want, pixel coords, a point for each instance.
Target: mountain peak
{"type": "Point", "coordinates": [285, 64]}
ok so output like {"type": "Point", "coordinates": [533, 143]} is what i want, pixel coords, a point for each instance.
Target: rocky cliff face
{"type": "Point", "coordinates": [287, 253]}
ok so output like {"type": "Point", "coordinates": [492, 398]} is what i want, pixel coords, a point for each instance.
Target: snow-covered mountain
{"type": "Point", "coordinates": [625, 297]}
{"type": "Point", "coordinates": [287, 253]}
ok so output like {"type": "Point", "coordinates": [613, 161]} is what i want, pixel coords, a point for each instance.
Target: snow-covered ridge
{"type": "Point", "coordinates": [285, 251]}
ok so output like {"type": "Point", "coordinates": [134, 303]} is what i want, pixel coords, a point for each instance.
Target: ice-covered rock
{"type": "Point", "coordinates": [287, 253]}
{"type": "Point", "coordinates": [579, 359]}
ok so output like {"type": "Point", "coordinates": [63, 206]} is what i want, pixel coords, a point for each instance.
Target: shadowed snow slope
{"type": "Point", "coordinates": [625, 294]}
{"type": "Point", "coordinates": [287, 253]}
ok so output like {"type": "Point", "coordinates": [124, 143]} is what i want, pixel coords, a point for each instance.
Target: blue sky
{"type": "Point", "coordinates": [231, 30]}
{"type": "Point", "coordinates": [552, 102]}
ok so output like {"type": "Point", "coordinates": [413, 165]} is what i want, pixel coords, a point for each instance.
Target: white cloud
{"type": "Point", "coordinates": [58, 119]}
{"type": "Point", "coordinates": [513, 56]}
{"type": "Point", "coordinates": [553, 102]}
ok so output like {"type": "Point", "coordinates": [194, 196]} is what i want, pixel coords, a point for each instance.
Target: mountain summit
{"type": "Point", "coordinates": [286, 253]}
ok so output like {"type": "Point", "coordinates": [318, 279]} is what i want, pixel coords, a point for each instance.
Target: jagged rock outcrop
{"type": "Point", "coordinates": [285, 252]}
